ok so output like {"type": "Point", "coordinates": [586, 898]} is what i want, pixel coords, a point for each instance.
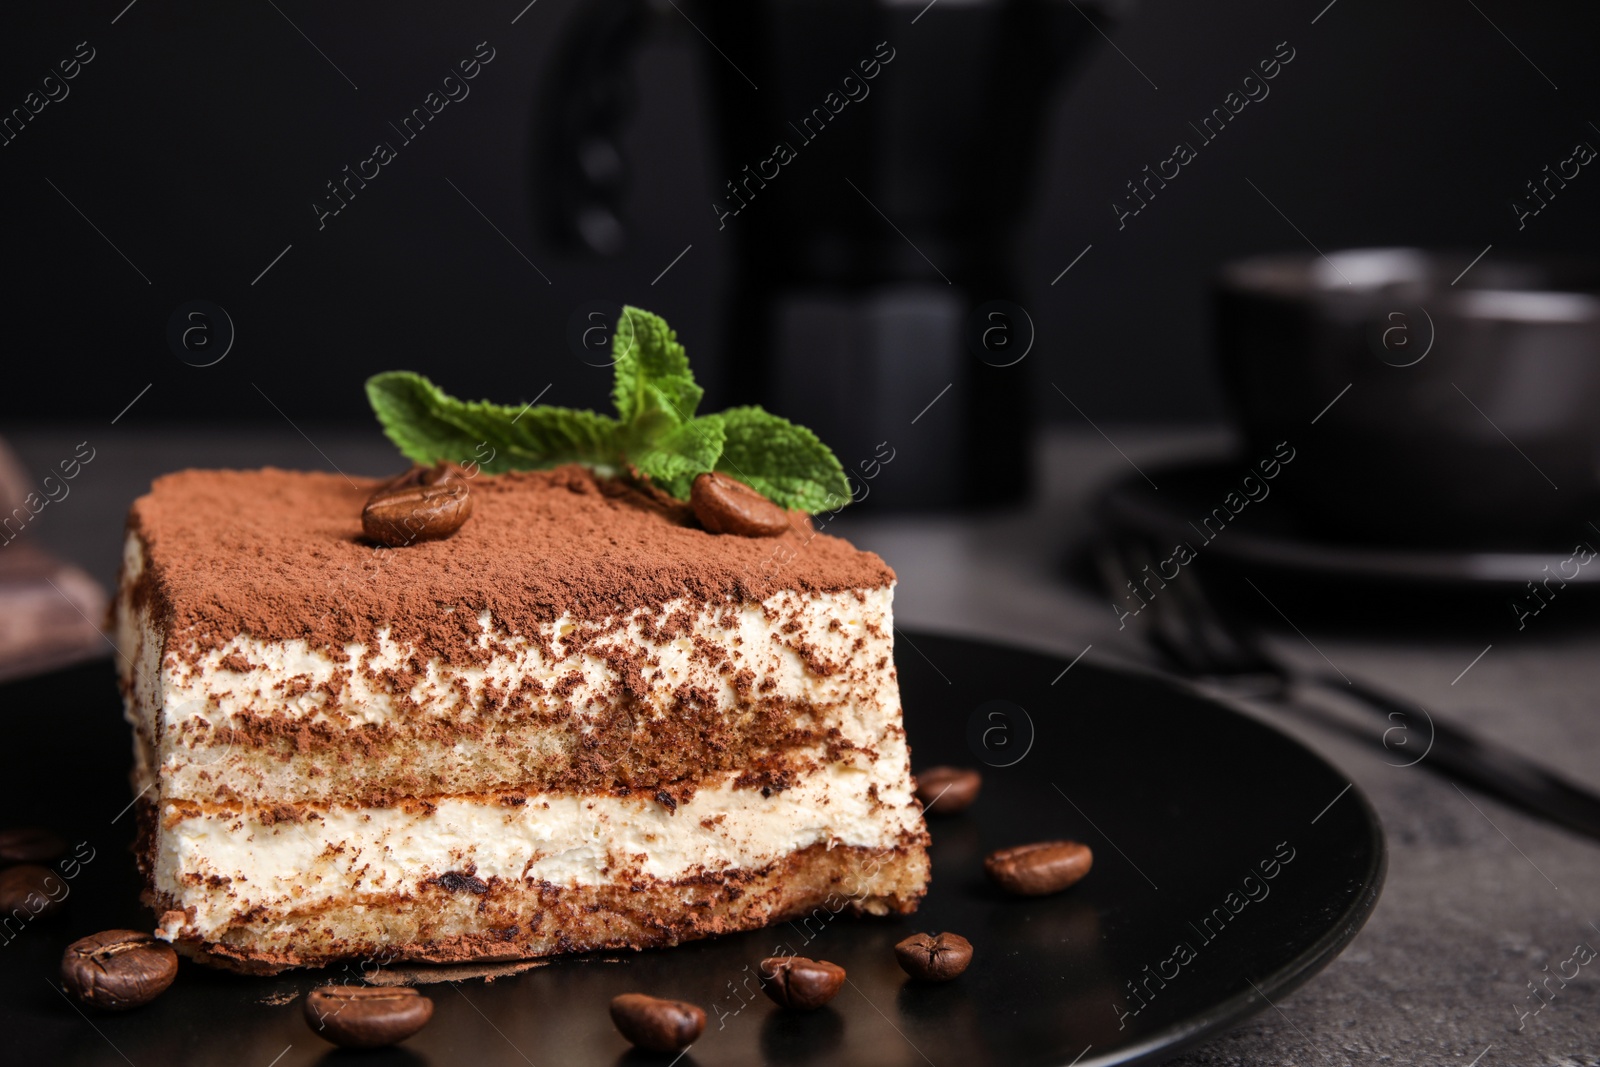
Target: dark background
{"type": "Point", "coordinates": [199, 136]}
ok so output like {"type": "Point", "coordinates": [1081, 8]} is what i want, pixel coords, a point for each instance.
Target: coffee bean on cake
{"type": "Point", "coordinates": [727, 506]}
{"type": "Point", "coordinates": [423, 504]}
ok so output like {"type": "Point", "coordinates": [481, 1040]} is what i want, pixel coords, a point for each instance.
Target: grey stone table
{"type": "Point", "coordinates": [1480, 899]}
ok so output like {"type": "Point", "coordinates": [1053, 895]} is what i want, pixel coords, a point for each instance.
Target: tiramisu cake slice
{"type": "Point", "coordinates": [582, 721]}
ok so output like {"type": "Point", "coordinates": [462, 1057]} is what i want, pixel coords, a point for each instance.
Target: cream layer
{"type": "Point", "coordinates": [199, 714]}
{"type": "Point", "coordinates": [193, 711]}
{"type": "Point", "coordinates": [227, 867]}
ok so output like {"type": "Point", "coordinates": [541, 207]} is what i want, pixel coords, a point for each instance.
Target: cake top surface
{"type": "Point", "coordinates": [280, 555]}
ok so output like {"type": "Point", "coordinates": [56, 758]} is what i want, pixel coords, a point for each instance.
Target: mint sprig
{"type": "Point", "coordinates": [656, 431]}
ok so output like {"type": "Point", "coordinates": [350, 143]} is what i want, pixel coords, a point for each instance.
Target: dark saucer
{"type": "Point", "coordinates": [1268, 535]}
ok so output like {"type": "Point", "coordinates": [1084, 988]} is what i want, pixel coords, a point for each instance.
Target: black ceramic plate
{"type": "Point", "coordinates": [1270, 537]}
{"type": "Point", "coordinates": [1230, 865]}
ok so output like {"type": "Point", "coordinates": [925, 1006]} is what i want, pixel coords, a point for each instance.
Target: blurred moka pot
{"type": "Point", "coordinates": [1431, 398]}
{"type": "Point", "coordinates": [873, 162]}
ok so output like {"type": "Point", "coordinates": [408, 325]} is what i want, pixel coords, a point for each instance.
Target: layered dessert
{"type": "Point", "coordinates": [582, 721]}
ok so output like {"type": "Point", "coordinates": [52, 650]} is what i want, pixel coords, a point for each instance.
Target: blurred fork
{"type": "Point", "coordinates": [1199, 641]}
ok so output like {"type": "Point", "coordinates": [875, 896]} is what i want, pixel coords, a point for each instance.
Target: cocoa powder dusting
{"type": "Point", "coordinates": [279, 555]}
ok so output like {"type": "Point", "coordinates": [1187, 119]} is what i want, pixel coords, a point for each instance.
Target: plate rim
{"type": "Point", "coordinates": [1289, 976]}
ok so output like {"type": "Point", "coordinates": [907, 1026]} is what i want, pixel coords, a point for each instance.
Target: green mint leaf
{"type": "Point", "coordinates": [409, 407]}
{"type": "Point", "coordinates": [654, 389]}
{"type": "Point", "coordinates": [675, 458]}
{"type": "Point", "coordinates": [656, 430]}
{"type": "Point", "coordinates": [428, 425]}
{"type": "Point", "coordinates": [782, 461]}
{"type": "Point", "coordinates": [537, 438]}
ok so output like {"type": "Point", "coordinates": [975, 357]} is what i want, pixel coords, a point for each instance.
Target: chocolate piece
{"type": "Point", "coordinates": [727, 506]}
{"type": "Point", "coordinates": [657, 1025]}
{"type": "Point", "coordinates": [1040, 868]}
{"type": "Point", "coordinates": [948, 790]}
{"type": "Point", "coordinates": [796, 982]}
{"type": "Point", "coordinates": [118, 969]}
{"type": "Point", "coordinates": [358, 1016]}
{"type": "Point", "coordinates": [934, 957]}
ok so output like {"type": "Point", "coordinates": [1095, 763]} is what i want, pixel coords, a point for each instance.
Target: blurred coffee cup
{"type": "Point", "coordinates": [1431, 398]}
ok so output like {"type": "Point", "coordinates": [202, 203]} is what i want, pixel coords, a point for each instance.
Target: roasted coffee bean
{"type": "Point", "coordinates": [31, 844]}
{"type": "Point", "coordinates": [31, 889]}
{"type": "Point", "coordinates": [796, 982]}
{"type": "Point", "coordinates": [948, 790]}
{"type": "Point", "coordinates": [934, 957]}
{"type": "Point", "coordinates": [362, 1016]}
{"type": "Point", "coordinates": [1040, 868]}
{"type": "Point", "coordinates": [118, 969]}
{"type": "Point", "coordinates": [423, 504]}
{"type": "Point", "coordinates": [657, 1025]}
{"type": "Point", "coordinates": [419, 474]}
{"type": "Point", "coordinates": [726, 506]}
